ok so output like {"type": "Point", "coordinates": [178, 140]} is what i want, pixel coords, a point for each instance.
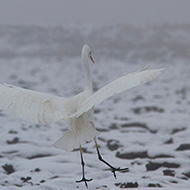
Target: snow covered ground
{"type": "Point", "coordinates": [146, 129]}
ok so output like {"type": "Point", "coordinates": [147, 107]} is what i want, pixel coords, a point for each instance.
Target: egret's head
{"type": "Point", "coordinates": [86, 51]}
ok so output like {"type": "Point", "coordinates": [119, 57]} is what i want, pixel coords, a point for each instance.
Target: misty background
{"type": "Point", "coordinates": [128, 30]}
{"type": "Point", "coordinates": [101, 12]}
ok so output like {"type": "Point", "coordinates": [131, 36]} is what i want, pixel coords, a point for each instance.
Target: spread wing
{"type": "Point", "coordinates": [30, 105]}
{"type": "Point", "coordinates": [117, 86]}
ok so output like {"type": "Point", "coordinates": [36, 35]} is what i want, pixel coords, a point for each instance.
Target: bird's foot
{"type": "Point", "coordinates": [118, 169]}
{"type": "Point", "coordinates": [85, 181]}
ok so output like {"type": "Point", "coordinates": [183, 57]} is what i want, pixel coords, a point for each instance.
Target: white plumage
{"type": "Point", "coordinates": [30, 105]}
{"type": "Point", "coordinates": [117, 86]}
{"type": "Point", "coordinates": [76, 111]}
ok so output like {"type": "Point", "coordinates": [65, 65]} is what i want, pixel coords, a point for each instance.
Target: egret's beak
{"type": "Point", "coordinates": [92, 59]}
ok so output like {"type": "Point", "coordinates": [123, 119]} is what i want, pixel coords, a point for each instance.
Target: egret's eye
{"type": "Point", "coordinates": [90, 54]}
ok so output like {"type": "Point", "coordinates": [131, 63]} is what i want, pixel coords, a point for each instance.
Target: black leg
{"type": "Point", "coordinates": [83, 175]}
{"type": "Point", "coordinates": [113, 169]}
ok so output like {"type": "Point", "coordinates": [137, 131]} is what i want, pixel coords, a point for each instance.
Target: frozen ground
{"type": "Point", "coordinates": [146, 129]}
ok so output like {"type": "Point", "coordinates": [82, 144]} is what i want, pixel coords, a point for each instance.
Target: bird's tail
{"type": "Point", "coordinates": [73, 139]}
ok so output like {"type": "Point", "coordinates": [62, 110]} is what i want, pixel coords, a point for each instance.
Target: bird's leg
{"type": "Point", "coordinates": [113, 169]}
{"type": "Point", "coordinates": [83, 175]}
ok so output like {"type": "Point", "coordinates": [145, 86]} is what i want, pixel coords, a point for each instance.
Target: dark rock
{"type": "Point", "coordinates": [170, 165]}
{"type": "Point", "coordinates": [154, 185]}
{"type": "Point", "coordinates": [187, 174]}
{"type": "Point", "coordinates": [154, 109]}
{"type": "Point", "coordinates": [132, 155]}
{"type": "Point", "coordinates": [137, 98]}
{"type": "Point", "coordinates": [178, 130]}
{"type": "Point", "coordinates": [162, 156]}
{"type": "Point", "coordinates": [102, 130]}
{"type": "Point", "coordinates": [151, 166]}
{"type": "Point", "coordinates": [8, 168]}
{"type": "Point", "coordinates": [39, 156]}
{"type": "Point", "coordinates": [14, 141]}
{"type": "Point", "coordinates": [117, 184]}
{"type": "Point", "coordinates": [101, 139]}
{"type": "Point", "coordinates": [37, 170]}
{"type": "Point", "coordinates": [184, 178]}
{"type": "Point", "coordinates": [143, 154]}
{"type": "Point", "coordinates": [124, 119]}
{"type": "Point", "coordinates": [96, 111]}
{"type": "Point", "coordinates": [170, 141]}
{"type": "Point", "coordinates": [54, 177]}
{"type": "Point", "coordinates": [146, 109]}
{"type": "Point", "coordinates": [18, 185]}
{"type": "Point", "coordinates": [173, 181]}
{"type": "Point", "coordinates": [113, 144]}
{"type": "Point", "coordinates": [127, 185]}
{"type": "Point", "coordinates": [169, 172]}
{"type": "Point", "coordinates": [100, 187]}
{"type": "Point", "coordinates": [13, 132]}
{"type": "Point", "coordinates": [136, 162]}
{"type": "Point", "coordinates": [113, 126]}
{"type": "Point", "coordinates": [183, 147]}
{"type": "Point", "coordinates": [25, 179]}
{"type": "Point", "coordinates": [139, 125]}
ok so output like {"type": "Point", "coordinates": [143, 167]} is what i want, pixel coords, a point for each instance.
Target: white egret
{"type": "Point", "coordinates": [77, 111]}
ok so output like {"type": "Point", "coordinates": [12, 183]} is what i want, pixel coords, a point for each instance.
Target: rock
{"type": "Point", "coordinates": [146, 109]}
{"type": "Point", "coordinates": [8, 168]}
{"type": "Point", "coordinates": [169, 172]}
{"type": "Point", "coordinates": [139, 125]}
{"type": "Point", "coordinates": [127, 185]}
{"type": "Point", "coordinates": [132, 155]}
{"type": "Point", "coordinates": [187, 174]}
{"type": "Point", "coordinates": [13, 132]}
{"type": "Point", "coordinates": [170, 141]}
{"type": "Point", "coordinates": [14, 141]}
{"type": "Point", "coordinates": [113, 144]}
{"type": "Point", "coordinates": [162, 156]}
{"type": "Point", "coordinates": [178, 130]}
{"type": "Point", "coordinates": [173, 181]}
{"type": "Point", "coordinates": [154, 185]}
{"type": "Point", "coordinates": [142, 154]}
{"type": "Point", "coordinates": [183, 147]}
{"type": "Point", "coordinates": [113, 126]}
{"type": "Point", "coordinates": [37, 170]}
{"type": "Point", "coordinates": [137, 98]}
{"type": "Point", "coordinates": [151, 166]}
{"type": "Point", "coordinates": [25, 179]}
{"type": "Point", "coordinates": [39, 156]}
{"type": "Point", "coordinates": [124, 119]}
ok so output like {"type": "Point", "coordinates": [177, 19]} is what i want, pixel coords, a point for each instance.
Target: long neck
{"type": "Point", "coordinates": [88, 78]}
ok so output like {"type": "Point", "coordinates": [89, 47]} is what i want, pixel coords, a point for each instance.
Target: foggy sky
{"type": "Point", "coordinates": [103, 12]}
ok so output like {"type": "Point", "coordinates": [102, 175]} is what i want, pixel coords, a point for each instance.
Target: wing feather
{"type": "Point", "coordinates": [30, 105]}
{"type": "Point", "coordinates": [117, 86]}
